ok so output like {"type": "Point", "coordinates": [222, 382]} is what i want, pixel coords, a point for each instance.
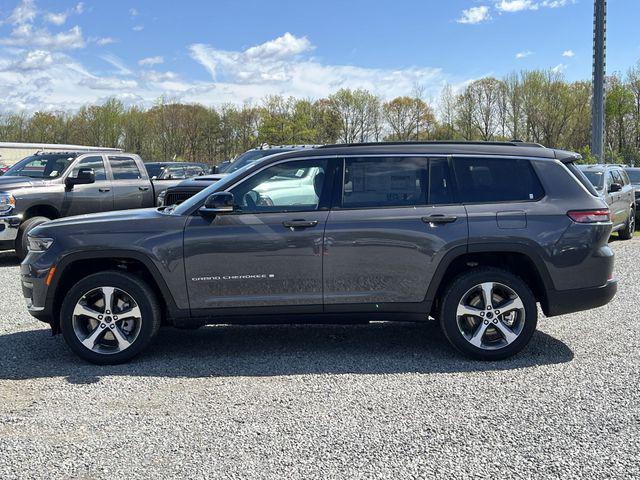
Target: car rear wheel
{"type": "Point", "coordinates": [109, 317]}
{"type": "Point", "coordinates": [22, 242]}
{"type": "Point", "coordinates": [630, 227]}
{"type": "Point", "coordinates": [489, 314]}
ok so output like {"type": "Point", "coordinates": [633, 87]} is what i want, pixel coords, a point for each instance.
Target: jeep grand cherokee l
{"type": "Point", "coordinates": [472, 235]}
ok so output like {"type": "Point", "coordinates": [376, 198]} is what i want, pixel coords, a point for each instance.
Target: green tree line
{"type": "Point", "coordinates": [534, 106]}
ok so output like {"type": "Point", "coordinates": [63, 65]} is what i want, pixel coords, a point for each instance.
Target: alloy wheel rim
{"type": "Point", "coordinates": [632, 223]}
{"type": "Point", "coordinates": [490, 316]}
{"type": "Point", "coordinates": [107, 320]}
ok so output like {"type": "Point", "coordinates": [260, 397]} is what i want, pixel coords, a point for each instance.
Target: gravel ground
{"type": "Point", "coordinates": [382, 400]}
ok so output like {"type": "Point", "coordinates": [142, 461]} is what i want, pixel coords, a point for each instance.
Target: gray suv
{"type": "Point", "coordinates": [473, 235]}
{"type": "Point", "coordinates": [614, 185]}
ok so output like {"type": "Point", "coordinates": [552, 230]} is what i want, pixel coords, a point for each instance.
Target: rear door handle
{"type": "Point", "coordinates": [104, 189]}
{"type": "Point", "coordinates": [293, 224]}
{"type": "Point", "coordinates": [439, 218]}
{"type": "Point", "coordinates": [143, 189]}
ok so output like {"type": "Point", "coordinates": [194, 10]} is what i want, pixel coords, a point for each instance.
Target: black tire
{"type": "Point", "coordinates": [629, 228]}
{"type": "Point", "coordinates": [21, 240]}
{"type": "Point", "coordinates": [460, 287]}
{"type": "Point", "coordinates": [142, 294]}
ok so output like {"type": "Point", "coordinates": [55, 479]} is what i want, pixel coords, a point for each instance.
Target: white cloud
{"type": "Point", "coordinates": [516, 5]}
{"type": "Point", "coordinates": [523, 54]}
{"type": "Point", "coordinates": [138, 28]}
{"type": "Point", "coordinates": [284, 66]}
{"type": "Point", "coordinates": [150, 61]}
{"type": "Point", "coordinates": [56, 18]}
{"type": "Point", "coordinates": [116, 62]}
{"type": "Point", "coordinates": [281, 47]}
{"type": "Point", "coordinates": [25, 12]}
{"type": "Point", "coordinates": [559, 68]}
{"type": "Point", "coordinates": [105, 41]}
{"type": "Point", "coordinates": [511, 6]}
{"type": "Point", "coordinates": [474, 15]}
{"type": "Point", "coordinates": [25, 35]}
{"type": "Point", "coordinates": [108, 83]}
{"type": "Point", "coordinates": [568, 53]}
{"type": "Point", "coordinates": [133, 12]}
{"type": "Point", "coordinates": [264, 69]}
{"type": "Point", "coordinates": [32, 60]}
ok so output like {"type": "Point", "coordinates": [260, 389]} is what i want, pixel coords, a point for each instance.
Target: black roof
{"type": "Point", "coordinates": [520, 149]}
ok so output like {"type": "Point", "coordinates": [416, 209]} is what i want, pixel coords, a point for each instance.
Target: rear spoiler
{"type": "Point", "coordinates": [566, 156]}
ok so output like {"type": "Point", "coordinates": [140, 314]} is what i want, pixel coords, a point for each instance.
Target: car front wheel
{"type": "Point", "coordinates": [109, 317]}
{"type": "Point", "coordinates": [488, 313]}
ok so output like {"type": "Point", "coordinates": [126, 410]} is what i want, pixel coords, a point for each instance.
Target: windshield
{"type": "Point", "coordinates": [188, 204]}
{"type": "Point", "coordinates": [634, 176]}
{"type": "Point", "coordinates": [41, 166]}
{"type": "Point", "coordinates": [595, 177]}
{"type": "Point", "coordinates": [251, 156]}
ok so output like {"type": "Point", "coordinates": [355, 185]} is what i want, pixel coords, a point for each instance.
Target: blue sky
{"type": "Point", "coordinates": [62, 54]}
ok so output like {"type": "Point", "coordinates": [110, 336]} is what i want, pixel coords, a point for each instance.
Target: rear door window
{"type": "Point", "coordinates": [124, 168]}
{"type": "Point", "coordinates": [488, 180]}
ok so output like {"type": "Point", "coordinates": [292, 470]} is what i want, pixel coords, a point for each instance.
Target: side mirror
{"type": "Point", "coordinates": [215, 169]}
{"type": "Point", "coordinates": [615, 187]}
{"type": "Point", "coordinates": [216, 203]}
{"type": "Point", "coordinates": [83, 177]}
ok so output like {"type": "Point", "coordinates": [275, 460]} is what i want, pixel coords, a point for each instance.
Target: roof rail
{"type": "Point", "coordinates": [513, 143]}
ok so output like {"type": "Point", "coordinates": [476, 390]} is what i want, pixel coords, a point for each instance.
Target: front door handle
{"type": "Point", "coordinates": [104, 189]}
{"type": "Point", "coordinates": [293, 224]}
{"type": "Point", "coordinates": [439, 218]}
{"type": "Point", "coordinates": [143, 189]}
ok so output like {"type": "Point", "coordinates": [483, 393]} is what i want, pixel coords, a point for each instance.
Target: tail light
{"type": "Point", "coordinates": [589, 216]}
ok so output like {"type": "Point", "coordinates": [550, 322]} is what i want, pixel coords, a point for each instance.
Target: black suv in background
{"type": "Point", "coordinates": [614, 186]}
{"type": "Point", "coordinates": [337, 233]}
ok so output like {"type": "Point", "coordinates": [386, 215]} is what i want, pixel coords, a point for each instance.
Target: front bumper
{"type": "Point", "coordinates": [561, 302]}
{"type": "Point", "coordinates": [9, 227]}
{"type": "Point", "coordinates": [34, 291]}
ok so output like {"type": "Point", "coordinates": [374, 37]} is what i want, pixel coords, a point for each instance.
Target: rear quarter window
{"type": "Point", "coordinates": [488, 180]}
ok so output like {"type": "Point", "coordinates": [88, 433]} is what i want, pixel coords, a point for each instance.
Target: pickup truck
{"type": "Point", "coordinates": [52, 185]}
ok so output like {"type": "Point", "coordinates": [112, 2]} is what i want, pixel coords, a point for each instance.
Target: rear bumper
{"type": "Point", "coordinates": [561, 302]}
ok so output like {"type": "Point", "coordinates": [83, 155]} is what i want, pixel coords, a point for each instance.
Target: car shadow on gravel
{"type": "Point", "coordinates": [223, 351]}
{"type": "Point", "coordinates": [8, 259]}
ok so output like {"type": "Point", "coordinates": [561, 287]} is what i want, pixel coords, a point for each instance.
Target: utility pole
{"type": "Point", "coordinates": [599, 68]}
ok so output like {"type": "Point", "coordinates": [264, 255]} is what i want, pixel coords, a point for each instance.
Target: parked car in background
{"type": "Point", "coordinates": [175, 170]}
{"type": "Point", "coordinates": [51, 185]}
{"type": "Point", "coordinates": [188, 188]}
{"type": "Point", "coordinates": [614, 186]}
{"type": "Point", "coordinates": [634, 177]}
{"type": "Point", "coordinates": [387, 232]}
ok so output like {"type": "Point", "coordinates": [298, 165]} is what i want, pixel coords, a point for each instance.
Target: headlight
{"type": "Point", "coordinates": [37, 244]}
{"type": "Point", "coordinates": [7, 202]}
{"type": "Point", "coordinates": [161, 198]}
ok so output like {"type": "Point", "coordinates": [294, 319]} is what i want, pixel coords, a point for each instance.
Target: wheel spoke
{"type": "Point", "coordinates": [476, 338]}
{"type": "Point", "coordinates": [514, 304]}
{"type": "Point", "coordinates": [508, 334]}
{"type": "Point", "coordinates": [108, 298]}
{"type": "Point", "coordinates": [487, 294]}
{"type": "Point", "coordinates": [133, 312]}
{"type": "Point", "coordinates": [120, 338]}
{"type": "Point", "coordinates": [468, 310]}
{"type": "Point", "coordinates": [92, 338]}
{"type": "Point", "coordinates": [86, 311]}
